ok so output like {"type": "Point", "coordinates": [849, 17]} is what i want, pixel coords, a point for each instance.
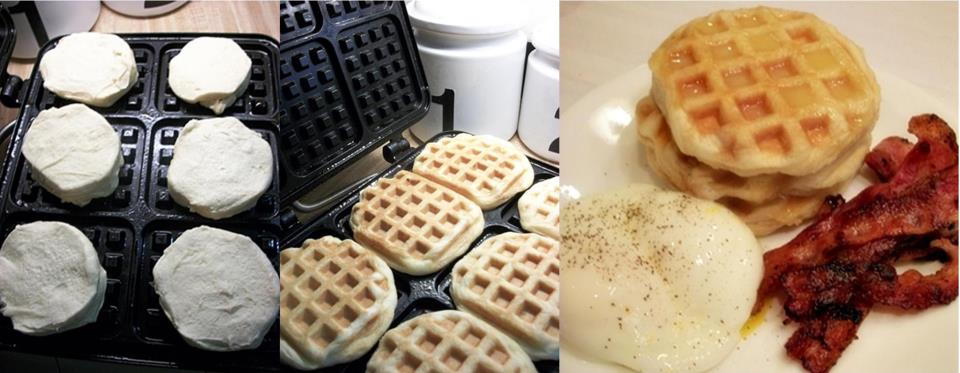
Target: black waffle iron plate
{"type": "Point", "coordinates": [350, 79]}
{"type": "Point", "coordinates": [131, 228]}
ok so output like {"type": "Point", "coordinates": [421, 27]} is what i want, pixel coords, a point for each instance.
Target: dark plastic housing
{"type": "Point", "coordinates": [350, 79]}
{"type": "Point", "coordinates": [416, 294]}
{"type": "Point", "coordinates": [131, 228]}
{"type": "Point", "coordinates": [9, 84]}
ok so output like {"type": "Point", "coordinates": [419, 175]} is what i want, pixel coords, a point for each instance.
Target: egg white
{"type": "Point", "coordinates": [654, 281]}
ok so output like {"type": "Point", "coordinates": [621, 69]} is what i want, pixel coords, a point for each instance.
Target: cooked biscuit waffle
{"type": "Point", "coordinates": [694, 177]}
{"type": "Point", "coordinates": [336, 300]}
{"type": "Point", "coordinates": [770, 216]}
{"type": "Point", "coordinates": [764, 90]}
{"type": "Point", "coordinates": [485, 169]}
{"type": "Point", "coordinates": [448, 341]}
{"type": "Point", "coordinates": [539, 208]}
{"type": "Point", "coordinates": [512, 281]}
{"type": "Point", "coordinates": [416, 225]}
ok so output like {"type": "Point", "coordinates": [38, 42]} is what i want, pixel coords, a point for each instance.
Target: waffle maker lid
{"type": "Point", "coordinates": [350, 80]}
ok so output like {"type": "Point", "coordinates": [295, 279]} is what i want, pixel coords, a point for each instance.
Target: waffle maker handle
{"type": "Point", "coordinates": [11, 90]}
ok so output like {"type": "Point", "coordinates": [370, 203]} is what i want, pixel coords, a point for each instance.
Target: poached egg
{"type": "Point", "coordinates": [653, 281]}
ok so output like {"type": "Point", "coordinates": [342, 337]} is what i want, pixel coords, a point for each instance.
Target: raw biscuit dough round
{"type": "Point", "coordinates": [74, 153]}
{"type": "Point", "coordinates": [219, 168]}
{"type": "Point", "coordinates": [50, 278]}
{"type": "Point", "coordinates": [90, 67]}
{"type": "Point", "coordinates": [218, 289]}
{"type": "Point", "coordinates": [210, 71]}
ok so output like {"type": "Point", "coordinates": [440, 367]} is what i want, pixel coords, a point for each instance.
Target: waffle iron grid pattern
{"type": "Point", "coordinates": [131, 228]}
{"type": "Point", "coordinates": [511, 280]}
{"type": "Point", "coordinates": [345, 286]}
{"type": "Point", "coordinates": [416, 294]}
{"type": "Point", "coordinates": [446, 343]}
{"type": "Point", "coordinates": [349, 80]}
{"type": "Point", "coordinates": [480, 169]}
{"type": "Point", "coordinates": [410, 217]}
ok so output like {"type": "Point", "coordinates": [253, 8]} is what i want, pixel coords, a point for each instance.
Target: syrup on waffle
{"type": "Point", "coordinates": [764, 90]}
{"type": "Point", "coordinates": [696, 178]}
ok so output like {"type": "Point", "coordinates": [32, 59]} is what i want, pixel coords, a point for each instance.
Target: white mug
{"type": "Point", "coordinates": [141, 8]}
{"type": "Point", "coordinates": [38, 22]}
{"type": "Point", "coordinates": [539, 127]}
{"type": "Point", "coordinates": [472, 54]}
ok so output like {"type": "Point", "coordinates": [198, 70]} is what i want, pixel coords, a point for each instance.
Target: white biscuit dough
{"type": "Point", "coordinates": [219, 168]}
{"type": "Point", "coordinates": [90, 67]}
{"type": "Point", "coordinates": [75, 154]}
{"type": "Point", "coordinates": [218, 289]}
{"type": "Point", "coordinates": [50, 278]}
{"type": "Point", "coordinates": [210, 71]}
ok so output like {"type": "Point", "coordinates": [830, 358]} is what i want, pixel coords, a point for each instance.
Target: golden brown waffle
{"type": "Point", "coordinates": [512, 281]}
{"type": "Point", "coordinates": [485, 169]}
{"type": "Point", "coordinates": [416, 225]}
{"type": "Point", "coordinates": [769, 216]}
{"type": "Point", "coordinates": [539, 208]}
{"type": "Point", "coordinates": [764, 90]}
{"type": "Point", "coordinates": [448, 342]}
{"type": "Point", "coordinates": [783, 212]}
{"type": "Point", "coordinates": [336, 300]}
{"type": "Point", "coordinates": [696, 178]}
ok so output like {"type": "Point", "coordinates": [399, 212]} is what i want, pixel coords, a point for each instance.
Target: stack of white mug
{"type": "Point", "coordinates": [482, 79]}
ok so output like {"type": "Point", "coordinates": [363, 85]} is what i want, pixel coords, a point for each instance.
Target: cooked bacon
{"type": "Point", "coordinates": [886, 156]}
{"type": "Point", "coordinates": [836, 270]}
{"type": "Point", "coordinates": [912, 290]}
{"type": "Point", "coordinates": [829, 319]}
{"type": "Point", "coordinates": [830, 203]}
{"type": "Point", "coordinates": [831, 300]}
{"type": "Point", "coordinates": [921, 197]}
{"type": "Point", "coordinates": [829, 289]}
{"type": "Point", "coordinates": [819, 342]}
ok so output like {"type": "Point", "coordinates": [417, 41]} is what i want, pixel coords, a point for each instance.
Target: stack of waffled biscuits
{"type": "Point", "coordinates": [766, 111]}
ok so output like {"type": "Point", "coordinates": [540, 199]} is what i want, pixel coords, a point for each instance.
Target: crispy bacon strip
{"type": "Point", "coordinates": [819, 343]}
{"type": "Point", "coordinates": [830, 303]}
{"type": "Point", "coordinates": [886, 157]}
{"type": "Point", "coordinates": [912, 290]}
{"type": "Point", "coordinates": [831, 300]}
{"type": "Point", "coordinates": [836, 270]}
{"type": "Point", "coordinates": [919, 198]}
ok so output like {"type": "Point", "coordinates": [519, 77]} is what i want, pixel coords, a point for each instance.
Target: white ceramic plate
{"type": "Point", "coordinates": [602, 152]}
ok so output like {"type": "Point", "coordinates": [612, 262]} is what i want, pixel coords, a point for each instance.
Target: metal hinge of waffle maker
{"type": "Point", "coordinates": [11, 95]}
{"type": "Point", "coordinates": [395, 149]}
{"type": "Point", "coordinates": [11, 86]}
{"type": "Point", "coordinates": [11, 90]}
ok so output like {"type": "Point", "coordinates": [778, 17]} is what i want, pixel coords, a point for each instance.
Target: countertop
{"type": "Point", "coordinates": [916, 41]}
